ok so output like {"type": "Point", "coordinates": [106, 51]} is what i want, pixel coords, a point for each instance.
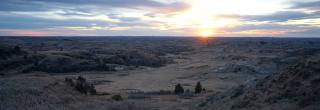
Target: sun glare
{"type": "Point", "coordinates": [205, 33]}
{"type": "Point", "coordinates": [212, 14]}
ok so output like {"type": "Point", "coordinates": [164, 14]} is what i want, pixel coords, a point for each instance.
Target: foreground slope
{"type": "Point", "coordinates": [41, 92]}
{"type": "Point", "coordinates": [296, 88]}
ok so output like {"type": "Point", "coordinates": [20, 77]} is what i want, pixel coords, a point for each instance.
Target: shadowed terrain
{"type": "Point", "coordinates": [135, 73]}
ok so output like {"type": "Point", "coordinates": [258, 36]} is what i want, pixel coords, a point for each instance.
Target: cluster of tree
{"type": "Point", "coordinates": [64, 64]}
{"type": "Point", "coordinates": [137, 58]}
{"type": "Point", "coordinates": [91, 59]}
{"type": "Point", "coordinates": [82, 61]}
{"type": "Point", "coordinates": [15, 57]}
{"type": "Point", "coordinates": [9, 51]}
{"type": "Point", "coordinates": [81, 85]}
{"type": "Point", "coordinates": [180, 90]}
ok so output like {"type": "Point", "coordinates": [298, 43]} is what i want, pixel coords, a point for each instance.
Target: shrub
{"type": "Point", "coordinates": [84, 87]}
{"type": "Point", "coordinates": [178, 89]}
{"type": "Point", "coordinates": [198, 88]}
{"type": "Point", "coordinates": [81, 85]}
{"type": "Point", "coordinates": [117, 97]}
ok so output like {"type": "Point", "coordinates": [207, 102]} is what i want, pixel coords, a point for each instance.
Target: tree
{"type": "Point", "coordinates": [198, 88]}
{"type": "Point", "coordinates": [117, 97]}
{"type": "Point", "coordinates": [178, 89]}
{"type": "Point", "coordinates": [82, 86]}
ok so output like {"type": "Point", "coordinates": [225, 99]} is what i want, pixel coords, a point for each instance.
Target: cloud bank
{"type": "Point", "coordinates": [159, 18]}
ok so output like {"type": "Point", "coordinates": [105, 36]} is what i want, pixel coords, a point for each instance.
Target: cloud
{"type": "Point", "coordinates": [14, 21]}
{"type": "Point", "coordinates": [94, 27]}
{"type": "Point", "coordinates": [148, 17]}
{"type": "Point", "coordinates": [169, 9]}
{"type": "Point", "coordinates": [315, 5]}
{"type": "Point", "coordinates": [274, 29]}
{"type": "Point", "coordinates": [45, 5]}
{"type": "Point", "coordinates": [175, 7]}
{"type": "Point", "coordinates": [122, 18]}
{"type": "Point", "coordinates": [266, 32]}
{"type": "Point", "coordinates": [74, 13]}
{"type": "Point", "coordinates": [261, 33]}
{"type": "Point", "coordinates": [20, 5]}
{"type": "Point", "coordinates": [112, 3]}
{"type": "Point", "coordinates": [32, 14]}
{"type": "Point", "coordinates": [281, 16]}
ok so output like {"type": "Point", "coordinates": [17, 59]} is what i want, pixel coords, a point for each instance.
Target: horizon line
{"type": "Point", "coordinates": [164, 36]}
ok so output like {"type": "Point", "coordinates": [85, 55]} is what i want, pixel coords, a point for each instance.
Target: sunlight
{"type": "Point", "coordinates": [205, 33]}
{"type": "Point", "coordinates": [217, 15]}
{"type": "Point", "coordinates": [203, 18]}
{"type": "Point", "coordinates": [240, 7]}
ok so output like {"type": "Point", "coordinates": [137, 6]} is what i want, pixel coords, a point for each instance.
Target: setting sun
{"type": "Point", "coordinates": [205, 33]}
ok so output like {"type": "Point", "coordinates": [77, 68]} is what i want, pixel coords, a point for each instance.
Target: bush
{"type": "Point", "coordinates": [178, 89]}
{"type": "Point", "coordinates": [198, 88]}
{"type": "Point", "coordinates": [117, 97]}
{"type": "Point", "coordinates": [84, 87]}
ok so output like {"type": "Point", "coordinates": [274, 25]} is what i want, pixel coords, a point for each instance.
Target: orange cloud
{"type": "Point", "coordinates": [267, 32]}
{"type": "Point", "coordinates": [17, 32]}
{"type": "Point", "coordinates": [255, 32]}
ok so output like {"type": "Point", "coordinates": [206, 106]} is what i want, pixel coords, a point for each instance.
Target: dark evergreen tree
{"type": "Point", "coordinates": [178, 89]}
{"type": "Point", "coordinates": [117, 97]}
{"type": "Point", "coordinates": [82, 86]}
{"type": "Point", "coordinates": [198, 88]}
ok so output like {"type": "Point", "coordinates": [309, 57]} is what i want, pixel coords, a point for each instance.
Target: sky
{"type": "Point", "coordinates": [214, 18]}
